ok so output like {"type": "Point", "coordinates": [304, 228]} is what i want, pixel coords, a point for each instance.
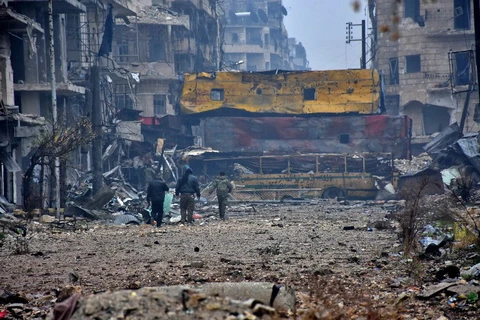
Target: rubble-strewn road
{"type": "Point", "coordinates": [283, 244]}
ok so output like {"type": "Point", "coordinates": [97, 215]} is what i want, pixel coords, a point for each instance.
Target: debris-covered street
{"type": "Point", "coordinates": [307, 246]}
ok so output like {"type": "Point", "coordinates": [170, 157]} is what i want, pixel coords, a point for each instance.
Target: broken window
{"type": "Point", "coordinates": [412, 64]}
{"type": "Point", "coordinates": [344, 138]}
{"type": "Point", "coordinates": [123, 101]}
{"type": "Point", "coordinates": [157, 50]}
{"type": "Point", "coordinates": [461, 11]}
{"type": "Point", "coordinates": [183, 63]}
{"type": "Point", "coordinates": [217, 94]}
{"type": "Point", "coordinates": [394, 75]}
{"type": "Point", "coordinates": [122, 51]}
{"type": "Point", "coordinates": [159, 104]}
{"type": "Point", "coordinates": [309, 94]}
{"type": "Point", "coordinates": [235, 38]}
{"type": "Point", "coordinates": [412, 9]}
{"type": "Point", "coordinates": [254, 36]}
{"type": "Point", "coordinates": [476, 115]}
{"type": "Point", "coordinates": [461, 68]}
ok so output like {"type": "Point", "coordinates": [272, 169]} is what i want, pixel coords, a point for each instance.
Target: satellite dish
{"type": "Point", "coordinates": [254, 17]}
{"type": "Point", "coordinates": [262, 15]}
{"type": "Point", "coordinates": [284, 11]}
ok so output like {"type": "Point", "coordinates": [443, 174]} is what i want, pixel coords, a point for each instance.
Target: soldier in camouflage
{"type": "Point", "coordinates": [187, 187]}
{"type": "Point", "coordinates": [223, 187]}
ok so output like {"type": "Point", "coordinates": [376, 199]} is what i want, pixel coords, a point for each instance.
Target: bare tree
{"type": "Point", "coordinates": [56, 142]}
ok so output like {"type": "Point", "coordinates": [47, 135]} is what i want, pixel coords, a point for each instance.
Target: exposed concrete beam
{"type": "Point", "coordinates": [66, 89]}
{"type": "Point", "coordinates": [16, 22]}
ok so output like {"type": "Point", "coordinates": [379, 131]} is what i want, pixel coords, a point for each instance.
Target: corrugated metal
{"type": "Point", "coordinates": [289, 135]}
{"type": "Point", "coordinates": [336, 91]}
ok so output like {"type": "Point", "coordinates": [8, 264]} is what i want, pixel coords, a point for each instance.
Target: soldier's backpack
{"type": "Point", "coordinates": [223, 187]}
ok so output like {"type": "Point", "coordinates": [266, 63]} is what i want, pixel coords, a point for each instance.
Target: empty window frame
{"type": "Point", "coordinates": [394, 75]}
{"type": "Point", "coordinates": [412, 9]}
{"type": "Point", "coordinates": [217, 94]}
{"type": "Point", "coordinates": [476, 115]}
{"type": "Point", "coordinates": [461, 12]}
{"type": "Point", "coordinates": [413, 63]}
{"type": "Point", "coordinates": [344, 138]}
{"type": "Point", "coordinates": [159, 104]}
{"type": "Point", "coordinates": [309, 94]}
{"type": "Point", "coordinates": [122, 51]}
{"type": "Point", "coordinates": [235, 38]}
{"type": "Point", "coordinates": [462, 68]}
{"type": "Point", "coordinates": [157, 50]}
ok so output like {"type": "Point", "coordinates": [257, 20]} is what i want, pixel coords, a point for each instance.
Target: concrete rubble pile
{"type": "Point", "coordinates": [254, 300]}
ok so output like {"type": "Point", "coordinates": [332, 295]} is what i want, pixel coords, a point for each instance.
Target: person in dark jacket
{"type": "Point", "coordinates": [187, 187]}
{"type": "Point", "coordinates": [156, 196]}
{"type": "Point", "coordinates": [223, 187]}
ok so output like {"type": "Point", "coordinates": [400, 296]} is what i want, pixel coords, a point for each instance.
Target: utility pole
{"type": "Point", "coordinates": [349, 38]}
{"type": "Point", "coordinates": [54, 105]}
{"type": "Point", "coordinates": [96, 109]}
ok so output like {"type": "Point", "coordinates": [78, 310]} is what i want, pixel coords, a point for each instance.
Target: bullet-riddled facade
{"type": "Point", "coordinates": [423, 57]}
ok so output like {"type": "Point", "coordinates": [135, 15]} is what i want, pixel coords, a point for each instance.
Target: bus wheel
{"type": "Point", "coordinates": [287, 198]}
{"type": "Point", "coordinates": [332, 193]}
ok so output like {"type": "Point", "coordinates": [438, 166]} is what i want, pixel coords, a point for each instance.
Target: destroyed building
{"type": "Point", "coordinates": [427, 60]}
{"type": "Point", "coordinates": [297, 55]}
{"type": "Point", "coordinates": [255, 37]}
{"type": "Point", "coordinates": [140, 49]}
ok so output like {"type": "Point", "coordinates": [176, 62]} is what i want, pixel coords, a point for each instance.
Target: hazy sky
{"type": "Point", "coordinates": [320, 25]}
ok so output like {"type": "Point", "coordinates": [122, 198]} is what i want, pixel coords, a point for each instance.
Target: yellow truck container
{"type": "Point", "coordinates": [283, 92]}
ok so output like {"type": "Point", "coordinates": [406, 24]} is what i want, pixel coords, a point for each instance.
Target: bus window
{"type": "Point", "coordinates": [271, 165]}
{"type": "Point", "coordinates": [303, 164]}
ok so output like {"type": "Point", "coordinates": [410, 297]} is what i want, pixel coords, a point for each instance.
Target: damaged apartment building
{"type": "Point", "coordinates": [255, 37]}
{"type": "Point", "coordinates": [427, 60]}
{"type": "Point", "coordinates": [141, 49]}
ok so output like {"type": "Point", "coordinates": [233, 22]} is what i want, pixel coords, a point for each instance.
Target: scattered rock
{"type": "Point", "coordinates": [463, 289]}
{"type": "Point", "coordinates": [433, 290]}
{"type": "Point", "coordinates": [47, 219]}
{"type": "Point", "coordinates": [402, 297]}
{"type": "Point", "coordinates": [197, 264]}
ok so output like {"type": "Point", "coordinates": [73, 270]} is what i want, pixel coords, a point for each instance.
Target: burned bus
{"type": "Point", "coordinates": [280, 177]}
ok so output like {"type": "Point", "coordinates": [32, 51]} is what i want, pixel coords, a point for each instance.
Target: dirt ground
{"type": "Point", "coordinates": [304, 246]}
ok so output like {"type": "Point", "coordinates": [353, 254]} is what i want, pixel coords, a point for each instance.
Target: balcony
{"type": "Point", "coordinates": [59, 6]}
{"type": "Point", "coordinates": [63, 89]}
{"type": "Point", "coordinates": [245, 47]}
{"type": "Point", "coordinates": [202, 5]}
{"type": "Point", "coordinates": [15, 22]}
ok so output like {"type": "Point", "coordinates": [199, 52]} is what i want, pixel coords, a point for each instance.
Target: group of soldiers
{"type": "Point", "coordinates": [187, 188]}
